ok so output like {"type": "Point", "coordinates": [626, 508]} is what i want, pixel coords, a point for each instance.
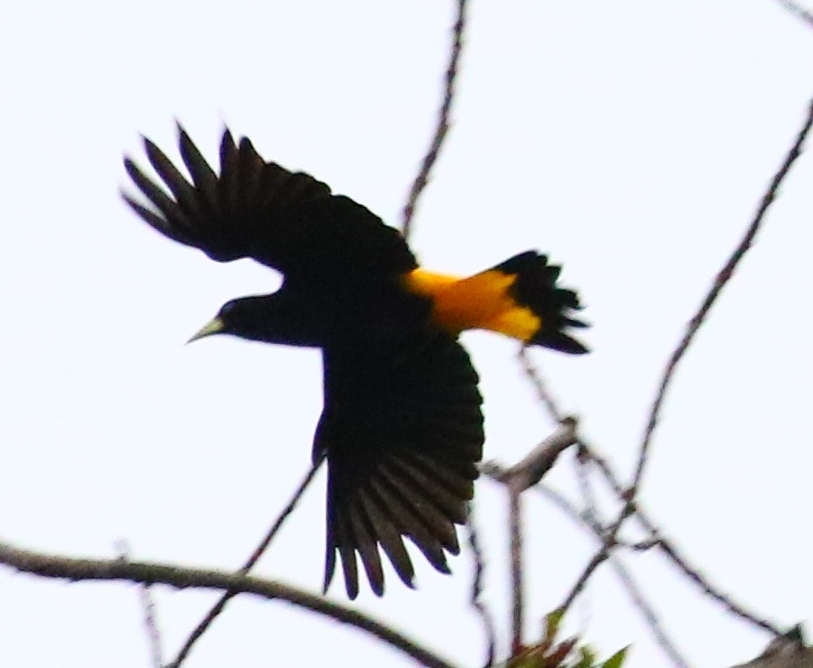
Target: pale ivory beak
{"type": "Point", "coordinates": [214, 327]}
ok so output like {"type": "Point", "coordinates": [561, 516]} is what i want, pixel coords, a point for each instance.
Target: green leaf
{"type": "Point", "coordinates": [617, 659]}
{"type": "Point", "coordinates": [586, 657]}
{"type": "Point", "coordinates": [552, 621]}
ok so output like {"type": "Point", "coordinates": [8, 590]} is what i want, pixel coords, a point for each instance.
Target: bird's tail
{"type": "Point", "coordinates": [534, 289]}
{"type": "Point", "coordinates": [518, 298]}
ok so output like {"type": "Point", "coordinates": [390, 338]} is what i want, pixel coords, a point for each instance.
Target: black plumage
{"type": "Point", "coordinates": [401, 428]}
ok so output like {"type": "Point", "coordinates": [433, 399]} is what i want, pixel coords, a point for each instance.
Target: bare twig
{"type": "Point", "coordinates": [517, 574]}
{"type": "Point", "coordinates": [609, 541]}
{"type": "Point", "coordinates": [535, 378]}
{"type": "Point", "coordinates": [797, 10]}
{"type": "Point", "coordinates": [477, 588]}
{"type": "Point", "coordinates": [289, 508]}
{"type": "Point", "coordinates": [517, 479]}
{"type": "Point", "coordinates": [677, 558]}
{"type": "Point", "coordinates": [586, 520]}
{"type": "Point", "coordinates": [218, 607]}
{"type": "Point", "coordinates": [668, 548]}
{"type": "Point", "coordinates": [442, 127]}
{"type": "Point", "coordinates": [546, 399]}
{"type": "Point", "coordinates": [720, 282]}
{"type": "Point", "coordinates": [51, 566]}
{"type": "Point", "coordinates": [606, 470]}
{"type": "Point", "coordinates": [151, 625]}
{"type": "Point", "coordinates": [599, 558]}
{"type": "Point", "coordinates": [539, 461]}
{"type": "Point", "coordinates": [648, 613]}
{"type": "Point", "coordinates": [640, 545]}
{"type": "Point", "coordinates": [564, 504]}
{"type": "Point", "coordinates": [585, 485]}
{"type": "Point", "coordinates": [515, 485]}
{"type": "Point", "coordinates": [147, 609]}
{"type": "Point", "coordinates": [725, 274]}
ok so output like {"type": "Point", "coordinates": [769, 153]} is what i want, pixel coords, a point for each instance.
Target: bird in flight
{"type": "Point", "coordinates": [401, 427]}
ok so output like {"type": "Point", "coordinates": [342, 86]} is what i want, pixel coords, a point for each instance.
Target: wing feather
{"type": "Point", "coordinates": [389, 537]}
{"type": "Point", "coordinates": [391, 472]}
{"type": "Point", "coordinates": [203, 176]}
{"type": "Point", "coordinates": [286, 220]}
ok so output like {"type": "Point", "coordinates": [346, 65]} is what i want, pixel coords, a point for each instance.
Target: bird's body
{"type": "Point", "coordinates": [401, 428]}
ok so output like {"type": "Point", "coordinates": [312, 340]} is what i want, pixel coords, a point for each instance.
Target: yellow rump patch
{"type": "Point", "coordinates": [481, 301]}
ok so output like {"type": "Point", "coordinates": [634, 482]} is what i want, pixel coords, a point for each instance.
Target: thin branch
{"type": "Point", "coordinates": [628, 496]}
{"type": "Point", "coordinates": [541, 459]}
{"type": "Point", "coordinates": [668, 548]}
{"type": "Point", "coordinates": [586, 520]}
{"type": "Point", "coordinates": [535, 378]}
{"type": "Point", "coordinates": [517, 574]}
{"type": "Point", "coordinates": [442, 127]}
{"type": "Point", "coordinates": [678, 559]}
{"type": "Point", "coordinates": [582, 518]}
{"type": "Point", "coordinates": [648, 613]}
{"type": "Point", "coordinates": [547, 400]}
{"type": "Point", "coordinates": [640, 545]}
{"type": "Point", "coordinates": [517, 479]}
{"type": "Point", "coordinates": [289, 508]}
{"type": "Point", "coordinates": [210, 617]}
{"type": "Point", "coordinates": [72, 569]}
{"type": "Point", "coordinates": [723, 277]}
{"type": "Point", "coordinates": [609, 541]}
{"type": "Point", "coordinates": [585, 485]}
{"type": "Point", "coordinates": [515, 485]}
{"type": "Point", "coordinates": [599, 558]}
{"type": "Point", "coordinates": [148, 611]}
{"type": "Point", "coordinates": [720, 282]}
{"type": "Point", "coordinates": [797, 10]}
{"type": "Point", "coordinates": [151, 625]}
{"type": "Point", "coordinates": [477, 588]}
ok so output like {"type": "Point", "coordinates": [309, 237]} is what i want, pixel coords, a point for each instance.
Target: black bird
{"type": "Point", "coordinates": [401, 427]}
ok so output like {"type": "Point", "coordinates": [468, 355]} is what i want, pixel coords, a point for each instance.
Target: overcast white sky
{"type": "Point", "coordinates": [629, 140]}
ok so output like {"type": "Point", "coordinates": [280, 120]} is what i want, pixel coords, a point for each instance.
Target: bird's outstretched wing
{"type": "Point", "coordinates": [257, 209]}
{"type": "Point", "coordinates": [403, 432]}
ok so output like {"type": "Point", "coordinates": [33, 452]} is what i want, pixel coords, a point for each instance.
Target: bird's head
{"type": "Point", "coordinates": [241, 317]}
{"type": "Point", "coordinates": [273, 318]}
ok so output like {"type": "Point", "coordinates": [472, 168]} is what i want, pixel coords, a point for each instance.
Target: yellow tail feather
{"type": "Point", "coordinates": [519, 298]}
{"type": "Point", "coordinates": [482, 301]}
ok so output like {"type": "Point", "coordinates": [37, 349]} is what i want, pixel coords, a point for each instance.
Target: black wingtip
{"type": "Point", "coordinates": [227, 147]}
{"type": "Point", "coordinates": [149, 146]}
{"type": "Point", "coordinates": [246, 145]}
{"type": "Point", "coordinates": [330, 566]}
{"type": "Point", "coordinates": [351, 576]}
{"type": "Point", "coordinates": [130, 166]}
{"type": "Point", "coordinates": [183, 135]}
